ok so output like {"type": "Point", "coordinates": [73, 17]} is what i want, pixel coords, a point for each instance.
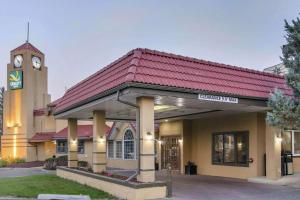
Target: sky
{"type": "Point", "coordinates": [79, 37]}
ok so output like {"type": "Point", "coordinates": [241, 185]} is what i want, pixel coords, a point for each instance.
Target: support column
{"type": "Point", "coordinates": [99, 142]}
{"type": "Point", "coordinates": [273, 153]}
{"type": "Point", "coordinates": [72, 143]}
{"type": "Point", "coordinates": [147, 169]}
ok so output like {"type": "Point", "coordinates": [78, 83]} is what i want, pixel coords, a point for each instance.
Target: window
{"type": "Point", "coordinates": [286, 144]}
{"type": "Point", "coordinates": [291, 142]}
{"type": "Point", "coordinates": [80, 146]}
{"type": "Point", "coordinates": [61, 146]}
{"type": "Point", "coordinates": [128, 145]}
{"type": "Point", "coordinates": [119, 149]}
{"type": "Point", "coordinates": [110, 149]}
{"type": "Point", "coordinates": [230, 148]}
{"type": "Point", "coordinates": [296, 142]}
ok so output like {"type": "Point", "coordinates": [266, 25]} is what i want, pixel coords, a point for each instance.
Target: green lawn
{"type": "Point", "coordinates": [31, 186]}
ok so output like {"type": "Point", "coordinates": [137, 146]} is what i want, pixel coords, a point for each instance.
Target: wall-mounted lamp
{"type": "Point", "coordinates": [54, 142]}
{"type": "Point", "coordinates": [278, 137]}
{"type": "Point", "coordinates": [149, 136]}
{"type": "Point", "coordinates": [101, 139]}
{"type": "Point", "coordinates": [180, 141]}
{"type": "Point", "coordinates": [74, 141]}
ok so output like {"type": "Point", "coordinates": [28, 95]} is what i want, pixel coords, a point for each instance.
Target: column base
{"type": "Point", "coordinates": [98, 168]}
{"type": "Point", "coordinates": [146, 176]}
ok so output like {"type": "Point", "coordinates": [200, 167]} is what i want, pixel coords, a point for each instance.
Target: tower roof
{"type": "Point", "coordinates": [28, 46]}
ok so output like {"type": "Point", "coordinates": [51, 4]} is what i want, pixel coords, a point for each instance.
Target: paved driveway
{"type": "Point", "coordinates": [16, 172]}
{"type": "Point", "coordinates": [217, 188]}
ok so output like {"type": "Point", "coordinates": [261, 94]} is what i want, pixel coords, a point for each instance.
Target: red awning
{"type": "Point", "coordinates": [84, 132]}
{"type": "Point", "coordinates": [42, 137]}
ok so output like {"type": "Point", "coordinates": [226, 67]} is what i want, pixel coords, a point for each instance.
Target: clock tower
{"type": "Point", "coordinates": [27, 91]}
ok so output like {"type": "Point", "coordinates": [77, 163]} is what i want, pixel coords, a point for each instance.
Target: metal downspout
{"type": "Point", "coordinates": [137, 131]}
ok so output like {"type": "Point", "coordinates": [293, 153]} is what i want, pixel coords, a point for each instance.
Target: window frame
{"type": "Point", "coordinates": [235, 134]}
{"type": "Point", "coordinates": [115, 155]}
{"type": "Point", "coordinates": [123, 145]}
{"type": "Point", "coordinates": [107, 150]}
{"type": "Point", "coordinates": [66, 147]}
{"type": "Point", "coordinates": [83, 146]}
{"type": "Point", "coordinates": [293, 142]}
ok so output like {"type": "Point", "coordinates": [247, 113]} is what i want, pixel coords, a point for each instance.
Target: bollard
{"type": "Point", "coordinates": [169, 180]}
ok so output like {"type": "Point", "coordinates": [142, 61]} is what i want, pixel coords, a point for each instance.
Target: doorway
{"type": "Point", "coordinates": [170, 152]}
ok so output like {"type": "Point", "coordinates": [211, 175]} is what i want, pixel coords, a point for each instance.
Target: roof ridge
{"type": "Point", "coordinates": [196, 60]}
{"type": "Point", "coordinates": [25, 46]}
{"type": "Point", "coordinates": [134, 63]}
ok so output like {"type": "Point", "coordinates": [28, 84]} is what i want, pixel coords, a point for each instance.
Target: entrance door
{"type": "Point", "coordinates": [170, 152]}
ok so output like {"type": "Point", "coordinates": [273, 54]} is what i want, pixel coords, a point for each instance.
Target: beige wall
{"type": "Point", "coordinates": [118, 190]}
{"type": "Point", "coordinates": [296, 164]}
{"type": "Point", "coordinates": [45, 150]}
{"type": "Point", "coordinates": [202, 130]}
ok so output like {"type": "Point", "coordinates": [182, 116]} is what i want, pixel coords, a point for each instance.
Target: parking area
{"type": "Point", "coordinates": [219, 188]}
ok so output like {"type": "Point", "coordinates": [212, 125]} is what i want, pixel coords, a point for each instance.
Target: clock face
{"type": "Point", "coordinates": [18, 61]}
{"type": "Point", "coordinates": [36, 62]}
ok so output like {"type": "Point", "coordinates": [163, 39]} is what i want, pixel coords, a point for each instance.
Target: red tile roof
{"type": "Point", "coordinates": [42, 137]}
{"type": "Point", "coordinates": [159, 68]}
{"type": "Point", "coordinates": [27, 46]}
{"type": "Point", "coordinates": [83, 132]}
{"type": "Point", "coordinates": [39, 112]}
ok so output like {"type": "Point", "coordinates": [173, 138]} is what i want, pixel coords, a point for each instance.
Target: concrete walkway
{"type": "Point", "coordinates": [18, 172]}
{"type": "Point", "coordinates": [291, 180]}
{"type": "Point", "coordinates": [215, 188]}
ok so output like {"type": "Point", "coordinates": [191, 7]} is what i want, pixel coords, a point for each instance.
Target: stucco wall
{"type": "Point", "coordinates": [296, 164]}
{"type": "Point", "coordinates": [202, 130]}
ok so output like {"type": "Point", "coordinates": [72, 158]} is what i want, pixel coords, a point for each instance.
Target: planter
{"type": "Point", "coordinates": [116, 187]}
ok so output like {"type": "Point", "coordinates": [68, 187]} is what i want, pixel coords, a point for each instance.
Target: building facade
{"type": "Point", "coordinates": [146, 111]}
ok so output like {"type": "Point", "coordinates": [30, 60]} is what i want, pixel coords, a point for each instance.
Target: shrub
{"type": "Point", "coordinates": [10, 161]}
{"type": "Point", "coordinates": [3, 163]}
{"type": "Point", "coordinates": [62, 160]}
{"type": "Point", "coordinates": [83, 164]}
{"type": "Point", "coordinates": [50, 164]}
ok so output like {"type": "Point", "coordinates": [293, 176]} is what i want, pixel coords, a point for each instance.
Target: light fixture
{"type": "Point", "coordinates": [74, 141]}
{"type": "Point", "coordinates": [180, 141]}
{"type": "Point", "coordinates": [278, 137]}
{"type": "Point", "coordinates": [179, 102]}
{"type": "Point", "coordinates": [160, 142]}
{"type": "Point", "coordinates": [101, 139]}
{"type": "Point", "coordinates": [149, 136]}
{"type": "Point", "coordinates": [166, 120]}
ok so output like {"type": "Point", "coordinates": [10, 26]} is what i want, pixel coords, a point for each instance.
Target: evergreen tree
{"type": "Point", "coordinates": [286, 109]}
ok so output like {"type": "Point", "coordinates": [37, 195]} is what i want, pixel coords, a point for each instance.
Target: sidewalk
{"type": "Point", "coordinates": [290, 180]}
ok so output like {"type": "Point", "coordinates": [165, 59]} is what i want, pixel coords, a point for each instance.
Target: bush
{"type": "Point", "coordinates": [3, 163]}
{"type": "Point", "coordinates": [52, 163]}
{"type": "Point", "coordinates": [83, 164]}
{"type": "Point", "coordinates": [62, 160]}
{"type": "Point", "coordinates": [10, 161]}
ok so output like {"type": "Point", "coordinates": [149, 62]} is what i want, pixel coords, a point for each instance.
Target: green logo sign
{"type": "Point", "coordinates": [15, 80]}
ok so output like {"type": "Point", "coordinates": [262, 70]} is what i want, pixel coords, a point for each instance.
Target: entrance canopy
{"type": "Point", "coordinates": [182, 87]}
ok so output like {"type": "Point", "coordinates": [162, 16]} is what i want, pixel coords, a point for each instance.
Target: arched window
{"type": "Point", "coordinates": [128, 139]}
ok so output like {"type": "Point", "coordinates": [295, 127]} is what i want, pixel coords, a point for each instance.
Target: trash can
{"type": "Point", "coordinates": [190, 168]}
